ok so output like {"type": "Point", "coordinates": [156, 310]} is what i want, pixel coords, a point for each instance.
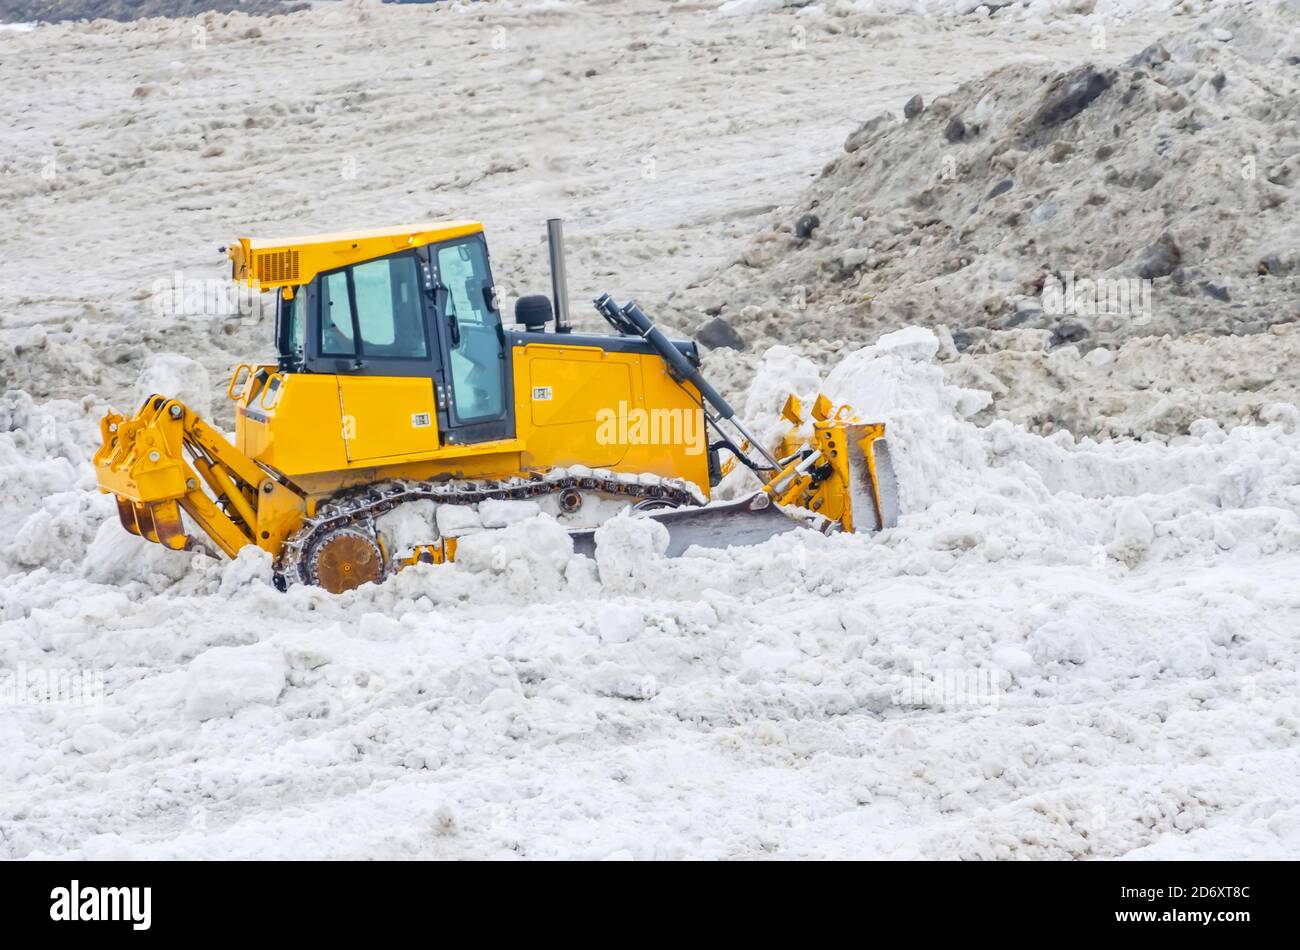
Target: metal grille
{"type": "Point", "coordinates": [277, 267]}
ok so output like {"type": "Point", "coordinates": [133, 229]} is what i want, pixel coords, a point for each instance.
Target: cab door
{"type": "Point", "coordinates": [374, 328]}
{"type": "Point", "coordinates": [474, 377]}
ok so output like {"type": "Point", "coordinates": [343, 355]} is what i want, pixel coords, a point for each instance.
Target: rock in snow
{"type": "Point", "coordinates": [717, 332]}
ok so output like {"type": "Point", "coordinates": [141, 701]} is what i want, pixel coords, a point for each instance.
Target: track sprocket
{"type": "Point", "coordinates": [343, 559]}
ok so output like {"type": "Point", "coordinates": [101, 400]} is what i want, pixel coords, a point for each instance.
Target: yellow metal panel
{"type": "Point", "coordinates": [674, 440]}
{"type": "Point", "coordinates": [559, 395]}
{"type": "Point", "coordinates": [385, 416]}
{"type": "Point", "coordinates": [575, 387]}
{"type": "Point", "coordinates": [302, 432]}
{"type": "Point", "coordinates": [290, 261]}
{"type": "Point", "coordinates": [613, 410]}
{"type": "Point", "coordinates": [497, 459]}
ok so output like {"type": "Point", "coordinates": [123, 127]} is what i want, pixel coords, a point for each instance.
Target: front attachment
{"type": "Point", "coordinates": [843, 472]}
{"type": "Point", "coordinates": [873, 486]}
{"type": "Point", "coordinates": [840, 479]}
{"type": "Point", "coordinates": [159, 463]}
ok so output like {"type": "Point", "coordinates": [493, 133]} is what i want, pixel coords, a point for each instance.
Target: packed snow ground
{"type": "Point", "coordinates": [1067, 648]}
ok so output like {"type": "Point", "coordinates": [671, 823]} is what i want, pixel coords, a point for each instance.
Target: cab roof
{"type": "Point", "coordinates": [285, 262]}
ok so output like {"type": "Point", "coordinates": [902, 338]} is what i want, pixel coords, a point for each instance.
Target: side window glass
{"type": "Point", "coordinates": [389, 309]}
{"type": "Point", "coordinates": [336, 316]}
{"type": "Point", "coordinates": [298, 321]}
{"type": "Point", "coordinates": [476, 366]}
{"type": "Point", "coordinates": [462, 269]}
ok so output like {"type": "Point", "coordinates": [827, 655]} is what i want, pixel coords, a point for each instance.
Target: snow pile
{"type": "Point", "coordinates": [47, 510]}
{"type": "Point", "coordinates": [1096, 11]}
{"type": "Point", "coordinates": [995, 207]}
{"type": "Point", "coordinates": [527, 557]}
{"type": "Point", "coordinates": [1001, 491]}
{"type": "Point", "coordinates": [1129, 607]}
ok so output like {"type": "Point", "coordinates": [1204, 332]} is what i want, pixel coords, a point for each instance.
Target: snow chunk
{"type": "Point", "coordinates": [455, 520]}
{"type": "Point", "coordinates": [531, 554]}
{"type": "Point", "coordinates": [251, 567]}
{"type": "Point", "coordinates": [224, 680]}
{"type": "Point", "coordinates": [625, 545]}
{"type": "Point", "coordinates": [408, 526]}
{"type": "Point", "coordinates": [1133, 535]}
{"type": "Point", "coordinates": [92, 737]}
{"type": "Point", "coordinates": [497, 512]}
{"type": "Point", "coordinates": [176, 377]}
{"type": "Point", "coordinates": [909, 343]}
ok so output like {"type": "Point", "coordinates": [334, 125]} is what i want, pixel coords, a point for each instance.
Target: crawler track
{"type": "Point", "coordinates": [358, 508]}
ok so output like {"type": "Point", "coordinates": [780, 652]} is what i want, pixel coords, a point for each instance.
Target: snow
{"type": "Point", "coordinates": [178, 377]}
{"type": "Point", "coordinates": [1134, 601]}
{"type": "Point", "coordinates": [498, 513]}
{"type": "Point", "coordinates": [1079, 641]}
{"type": "Point", "coordinates": [225, 680]}
{"type": "Point", "coordinates": [1099, 11]}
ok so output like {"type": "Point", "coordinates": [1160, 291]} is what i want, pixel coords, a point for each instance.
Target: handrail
{"type": "Point", "coordinates": [234, 377]}
{"type": "Point", "coordinates": [272, 387]}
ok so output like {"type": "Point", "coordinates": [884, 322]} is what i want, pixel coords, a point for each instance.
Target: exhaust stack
{"type": "Point", "coordinates": [559, 277]}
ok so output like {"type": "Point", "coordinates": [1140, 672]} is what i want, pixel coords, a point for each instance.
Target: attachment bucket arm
{"type": "Point", "coordinates": [157, 464]}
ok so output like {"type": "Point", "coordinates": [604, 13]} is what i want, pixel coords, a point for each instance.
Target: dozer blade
{"type": "Point", "coordinates": [886, 484]}
{"type": "Point", "coordinates": [751, 520]}
{"type": "Point", "coordinates": [873, 486]}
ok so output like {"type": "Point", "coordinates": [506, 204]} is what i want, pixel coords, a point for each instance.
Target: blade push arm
{"type": "Point", "coordinates": [631, 317]}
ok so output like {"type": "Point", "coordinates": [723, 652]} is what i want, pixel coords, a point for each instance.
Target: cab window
{"type": "Point", "coordinates": [292, 326]}
{"type": "Point", "coordinates": [474, 349]}
{"type": "Point", "coordinates": [298, 323]}
{"type": "Point", "coordinates": [336, 323]}
{"type": "Point", "coordinates": [374, 309]}
{"type": "Point", "coordinates": [390, 314]}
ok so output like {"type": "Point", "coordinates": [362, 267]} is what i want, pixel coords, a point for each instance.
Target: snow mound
{"type": "Point", "coordinates": [46, 511]}
{"type": "Point", "coordinates": [526, 556]}
{"type": "Point", "coordinates": [627, 548]}
{"type": "Point", "coordinates": [1130, 606]}
{"type": "Point", "coordinates": [993, 207]}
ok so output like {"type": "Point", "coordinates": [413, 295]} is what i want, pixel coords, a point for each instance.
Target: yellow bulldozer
{"type": "Point", "coordinates": [398, 398]}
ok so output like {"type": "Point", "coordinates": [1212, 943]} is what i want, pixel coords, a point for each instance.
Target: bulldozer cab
{"type": "Point", "coordinates": [425, 313]}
